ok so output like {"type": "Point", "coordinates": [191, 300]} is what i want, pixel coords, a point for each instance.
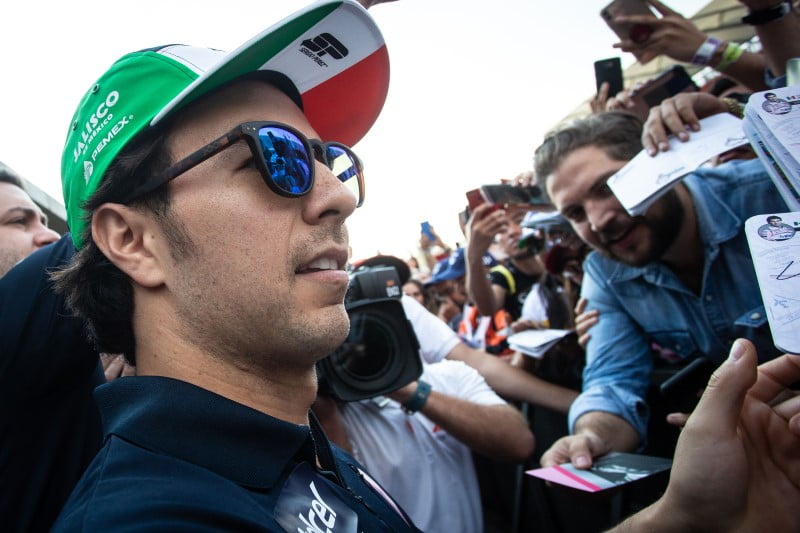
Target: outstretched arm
{"type": "Point", "coordinates": [737, 457]}
{"type": "Point", "coordinates": [514, 383]}
{"type": "Point", "coordinates": [497, 431]}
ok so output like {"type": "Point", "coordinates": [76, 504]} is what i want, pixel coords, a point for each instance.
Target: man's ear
{"type": "Point", "coordinates": [121, 233]}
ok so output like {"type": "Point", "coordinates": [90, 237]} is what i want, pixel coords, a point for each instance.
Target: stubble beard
{"type": "Point", "coordinates": [663, 223]}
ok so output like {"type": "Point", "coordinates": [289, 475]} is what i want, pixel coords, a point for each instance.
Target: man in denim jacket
{"type": "Point", "coordinates": [679, 276]}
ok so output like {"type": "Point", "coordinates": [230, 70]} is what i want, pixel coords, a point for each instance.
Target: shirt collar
{"type": "Point", "coordinates": [192, 424]}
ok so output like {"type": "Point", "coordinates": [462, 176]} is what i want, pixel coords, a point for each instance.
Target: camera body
{"type": "Point", "coordinates": [381, 352]}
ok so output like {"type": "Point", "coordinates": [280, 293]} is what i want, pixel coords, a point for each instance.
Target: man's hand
{"type": "Point", "coordinates": [598, 103]}
{"type": "Point", "coordinates": [673, 35]}
{"type": "Point", "coordinates": [114, 366]}
{"type": "Point", "coordinates": [676, 115]}
{"type": "Point", "coordinates": [737, 464]}
{"type": "Point", "coordinates": [584, 320]}
{"type": "Point", "coordinates": [482, 227]}
{"type": "Point", "coordinates": [576, 449]}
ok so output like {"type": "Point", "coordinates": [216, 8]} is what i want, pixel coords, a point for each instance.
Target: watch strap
{"type": "Point", "coordinates": [419, 398]}
{"type": "Point", "coordinates": [763, 16]}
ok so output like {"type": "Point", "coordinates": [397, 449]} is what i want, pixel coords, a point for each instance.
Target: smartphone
{"type": "Point", "coordinates": [609, 70]}
{"type": "Point", "coordinates": [637, 33]}
{"type": "Point", "coordinates": [669, 83]}
{"type": "Point", "coordinates": [425, 228]}
{"type": "Point", "coordinates": [682, 391]}
{"type": "Point", "coordinates": [531, 195]}
{"type": "Point", "coordinates": [476, 198]}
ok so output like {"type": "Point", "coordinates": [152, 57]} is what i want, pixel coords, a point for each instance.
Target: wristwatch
{"type": "Point", "coordinates": [418, 399]}
{"type": "Point", "coordinates": [763, 16]}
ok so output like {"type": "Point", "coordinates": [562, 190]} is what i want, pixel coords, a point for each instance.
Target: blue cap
{"type": "Point", "coordinates": [455, 266]}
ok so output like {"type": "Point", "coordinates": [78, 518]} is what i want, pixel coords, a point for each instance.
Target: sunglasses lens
{"type": "Point", "coordinates": [345, 166]}
{"type": "Point", "coordinates": [286, 159]}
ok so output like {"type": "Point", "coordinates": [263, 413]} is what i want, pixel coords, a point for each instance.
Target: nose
{"type": "Point", "coordinates": [329, 198]}
{"type": "Point", "coordinates": [599, 215]}
{"type": "Point", "coordinates": [44, 236]}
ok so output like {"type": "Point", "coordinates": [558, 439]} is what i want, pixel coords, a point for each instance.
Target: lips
{"type": "Point", "coordinates": [329, 260]}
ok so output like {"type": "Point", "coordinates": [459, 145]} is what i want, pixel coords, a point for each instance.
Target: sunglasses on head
{"type": "Point", "coordinates": [284, 157]}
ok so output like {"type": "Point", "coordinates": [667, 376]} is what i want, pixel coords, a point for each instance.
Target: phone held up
{"type": "Point", "coordinates": [609, 70]}
{"type": "Point", "coordinates": [425, 229]}
{"type": "Point", "coordinates": [669, 83]}
{"type": "Point", "coordinates": [637, 33]}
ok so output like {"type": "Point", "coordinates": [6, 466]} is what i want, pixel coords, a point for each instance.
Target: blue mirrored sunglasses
{"type": "Point", "coordinates": [283, 155]}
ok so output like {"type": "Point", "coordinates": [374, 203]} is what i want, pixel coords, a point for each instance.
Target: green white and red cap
{"type": "Point", "coordinates": [332, 51]}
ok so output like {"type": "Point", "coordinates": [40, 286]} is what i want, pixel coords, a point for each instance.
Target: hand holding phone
{"type": "Point", "coordinates": [610, 71]}
{"type": "Point", "coordinates": [531, 195]}
{"type": "Point", "coordinates": [638, 33]}
{"type": "Point", "coordinates": [427, 230]}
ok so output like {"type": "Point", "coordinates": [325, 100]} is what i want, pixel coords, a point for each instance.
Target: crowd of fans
{"type": "Point", "coordinates": [193, 387]}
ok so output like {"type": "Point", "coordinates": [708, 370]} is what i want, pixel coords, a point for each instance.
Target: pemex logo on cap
{"type": "Point", "coordinates": [97, 131]}
{"type": "Point", "coordinates": [324, 44]}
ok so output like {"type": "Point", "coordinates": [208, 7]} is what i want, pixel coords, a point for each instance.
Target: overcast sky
{"type": "Point", "coordinates": [475, 86]}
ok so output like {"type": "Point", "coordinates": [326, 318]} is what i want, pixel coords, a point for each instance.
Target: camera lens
{"type": "Point", "coordinates": [368, 350]}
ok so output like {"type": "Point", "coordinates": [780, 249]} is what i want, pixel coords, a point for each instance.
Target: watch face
{"type": "Point", "coordinates": [639, 33]}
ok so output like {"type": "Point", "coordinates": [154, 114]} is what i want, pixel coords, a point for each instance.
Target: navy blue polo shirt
{"type": "Point", "coordinates": [49, 425]}
{"type": "Point", "coordinates": [180, 458]}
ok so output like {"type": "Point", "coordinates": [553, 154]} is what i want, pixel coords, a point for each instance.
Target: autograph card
{"type": "Point", "coordinates": [644, 178]}
{"type": "Point", "coordinates": [774, 241]}
{"type": "Point", "coordinates": [609, 471]}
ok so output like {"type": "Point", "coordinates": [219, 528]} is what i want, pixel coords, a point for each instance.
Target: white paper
{"type": "Point", "coordinates": [536, 342]}
{"type": "Point", "coordinates": [775, 249]}
{"type": "Point", "coordinates": [640, 182]}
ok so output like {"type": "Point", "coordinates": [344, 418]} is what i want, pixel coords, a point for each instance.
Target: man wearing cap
{"type": "Point", "coordinates": [446, 284]}
{"type": "Point", "coordinates": [223, 284]}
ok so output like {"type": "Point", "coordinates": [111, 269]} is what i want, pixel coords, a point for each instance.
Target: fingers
{"type": "Point", "coordinates": [721, 404]}
{"type": "Point", "coordinates": [600, 100]}
{"type": "Point", "coordinates": [524, 179]}
{"type": "Point", "coordinates": [775, 376]}
{"type": "Point", "coordinates": [113, 366]}
{"type": "Point", "coordinates": [677, 419]}
{"type": "Point", "coordinates": [575, 449]}
{"type": "Point", "coordinates": [580, 307]}
{"type": "Point", "coordinates": [663, 9]}
{"type": "Point", "coordinates": [672, 116]}
{"type": "Point", "coordinates": [583, 340]}
{"type": "Point", "coordinates": [128, 370]}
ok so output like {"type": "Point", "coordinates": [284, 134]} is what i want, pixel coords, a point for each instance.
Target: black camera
{"type": "Point", "coordinates": [381, 352]}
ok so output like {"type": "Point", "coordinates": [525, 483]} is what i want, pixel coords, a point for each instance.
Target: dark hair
{"type": "Point", "coordinates": [9, 176]}
{"type": "Point", "coordinates": [617, 133]}
{"type": "Point", "coordinates": [94, 288]}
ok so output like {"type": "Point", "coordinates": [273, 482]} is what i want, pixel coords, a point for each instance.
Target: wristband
{"type": "Point", "coordinates": [730, 56]}
{"type": "Point", "coordinates": [763, 16]}
{"type": "Point", "coordinates": [418, 399]}
{"type": "Point", "coordinates": [705, 51]}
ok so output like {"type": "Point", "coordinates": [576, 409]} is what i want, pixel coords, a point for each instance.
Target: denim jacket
{"type": "Point", "coordinates": [639, 306]}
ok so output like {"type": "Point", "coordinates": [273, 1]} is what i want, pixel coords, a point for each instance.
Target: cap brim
{"type": "Point", "coordinates": [334, 54]}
